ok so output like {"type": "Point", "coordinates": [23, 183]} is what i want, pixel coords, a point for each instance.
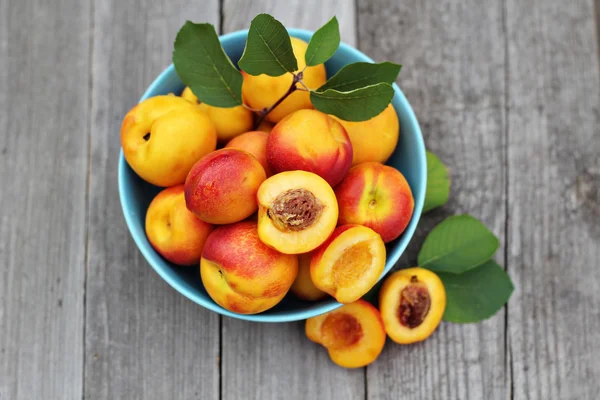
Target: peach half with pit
{"type": "Point", "coordinates": [297, 211]}
{"type": "Point", "coordinates": [412, 302]}
{"type": "Point", "coordinates": [352, 334]}
{"type": "Point", "coordinates": [349, 263]}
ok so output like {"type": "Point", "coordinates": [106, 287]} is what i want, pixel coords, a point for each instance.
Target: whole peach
{"type": "Point", "coordinates": [163, 136]}
{"type": "Point", "coordinates": [374, 139]}
{"type": "Point", "coordinates": [312, 141]}
{"type": "Point", "coordinates": [242, 274]}
{"type": "Point", "coordinates": [221, 187]}
{"type": "Point", "coordinates": [263, 91]}
{"type": "Point", "coordinates": [255, 143]}
{"type": "Point", "coordinates": [173, 231]}
{"type": "Point", "coordinates": [376, 196]}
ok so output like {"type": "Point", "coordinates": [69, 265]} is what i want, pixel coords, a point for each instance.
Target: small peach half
{"type": "Point", "coordinates": [349, 263]}
{"type": "Point", "coordinates": [353, 334]}
{"type": "Point", "coordinates": [297, 211]}
{"type": "Point", "coordinates": [303, 287]}
{"type": "Point", "coordinates": [412, 302]}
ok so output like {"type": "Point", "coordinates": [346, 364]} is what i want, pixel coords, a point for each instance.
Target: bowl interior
{"type": "Point", "coordinates": [136, 194]}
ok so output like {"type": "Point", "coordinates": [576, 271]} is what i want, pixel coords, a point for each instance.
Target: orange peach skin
{"type": "Point", "coordinates": [303, 286]}
{"type": "Point", "coordinates": [229, 122]}
{"type": "Point", "coordinates": [349, 263]}
{"type": "Point", "coordinates": [374, 139]}
{"type": "Point", "coordinates": [255, 143]}
{"type": "Point", "coordinates": [353, 334]}
{"type": "Point", "coordinates": [376, 196]}
{"type": "Point", "coordinates": [163, 136]}
{"type": "Point", "coordinates": [221, 187]}
{"type": "Point", "coordinates": [242, 274]}
{"type": "Point", "coordinates": [173, 231]}
{"type": "Point", "coordinates": [310, 140]}
{"type": "Point", "coordinates": [263, 91]}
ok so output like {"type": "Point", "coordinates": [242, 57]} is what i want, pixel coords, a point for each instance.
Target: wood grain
{"type": "Point", "coordinates": [143, 339]}
{"type": "Point", "coordinates": [43, 173]}
{"type": "Point", "coordinates": [265, 361]}
{"type": "Point", "coordinates": [554, 199]}
{"type": "Point", "coordinates": [453, 74]}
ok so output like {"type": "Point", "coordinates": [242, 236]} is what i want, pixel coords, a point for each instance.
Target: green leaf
{"type": "Point", "coordinates": [438, 183]}
{"type": "Point", "coordinates": [361, 74]}
{"type": "Point", "coordinates": [357, 105]}
{"type": "Point", "coordinates": [457, 245]}
{"type": "Point", "coordinates": [268, 48]}
{"type": "Point", "coordinates": [323, 43]}
{"type": "Point", "coordinates": [477, 294]}
{"type": "Point", "coordinates": [202, 64]}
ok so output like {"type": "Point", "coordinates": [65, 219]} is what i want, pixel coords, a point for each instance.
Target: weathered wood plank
{"type": "Point", "coordinates": [44, 122]}
{"type": "Point", "coordinates": [143, 339]}
{"type": "Point", "coordinates": [453, 75]}
{"type": "Point", "coordinates": [554, 199]}
{"type": "Point", "coordinates": [263, 361]}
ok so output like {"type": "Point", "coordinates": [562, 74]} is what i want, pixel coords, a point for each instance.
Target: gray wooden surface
{"type": "Point", "coordinates": [507, 93]}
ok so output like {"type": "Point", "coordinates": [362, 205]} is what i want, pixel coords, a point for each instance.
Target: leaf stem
{"type": "Point", "coordinates": [293, 87]}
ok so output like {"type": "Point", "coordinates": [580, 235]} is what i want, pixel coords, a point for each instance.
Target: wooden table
{"type": "Point", "coordinates": [507, 94]}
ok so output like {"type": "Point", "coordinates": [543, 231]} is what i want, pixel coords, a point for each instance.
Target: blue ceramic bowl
{"type": "Point", "coordinates": [136, 194]}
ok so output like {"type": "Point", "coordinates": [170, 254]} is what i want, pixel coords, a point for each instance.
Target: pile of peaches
{"type": "Point", "coordinates": [302, 202]}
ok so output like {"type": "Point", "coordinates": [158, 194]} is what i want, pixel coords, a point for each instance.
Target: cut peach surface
{"type": "Point", "coordinates": [242, 274]}
{"type": "Point", "coordinates": [303, 286]}
{"type": "Point", "coordinates": [297, 211]}
{"type": "Point", "coordinates": [412, 302]}
{"type": "Point", "coordinates": [221, 187]}
{"type": "Point", "coordinates": [349, 263]}
{"type": "Point", "coordinates": [173, 231]}
{"type": "Point", "coordinates": [353, 334]}
{"type": "Point", "coordinates": [377, 196]}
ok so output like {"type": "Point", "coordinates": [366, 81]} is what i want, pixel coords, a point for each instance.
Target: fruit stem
{"type": "Point", "coordinates": [263, 113]}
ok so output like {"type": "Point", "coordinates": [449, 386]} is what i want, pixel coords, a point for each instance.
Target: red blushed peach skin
{"type": "Point", "coordinates": [376, 196]}
{"type": "Point", "coordinates": [310, 140]}
{"type": "Point", "coordinates": [173, 231]}
{"type": "Point", "coordinates": [255, 143]}
{"type": "Point", "coordinates": [349, 263]}
{"type": "Point", "coordinates": [303, 286]}
{"type": "Point", "coordinates": [297, 211]}
{"type": "Point", "coordinates": [412, 302]}
{"type": "Point", "coordinates": [353, 334]}
{"type": "Point", "coordinates": [221, 187]}
{"type": "Point", "coordinates": [242, 274]}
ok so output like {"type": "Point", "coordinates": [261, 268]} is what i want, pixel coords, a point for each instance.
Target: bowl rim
{"type": "Point", "coordinates": [391, 259]}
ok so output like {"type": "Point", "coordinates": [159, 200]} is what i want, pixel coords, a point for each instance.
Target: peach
{"type": "Point", "coordinates": [163, 136]}
{"type": "Point", "coordinates": [377, 196]}
{"type": "Point", "coordinates": [265, 126]}
{"type": "Point", "coordinates": [221, 187]}
{"type": "Point", "coordinates": [374, 139]}
{"type": "Point", "coordinates": [349, 263]}
{"type": "Point", "coordinates": [229, 122]}
{"type": "Point", "coordinates": [310, 140]}
{"type": "Point", "coordinates": [297, 211]}
{"type": "Point", "coordinates": [352, 334]}
{"type": "Point", "coordinates": [243, 275]}
{"type": "Point", "coordinates": [303, 287]}
{"type": "Point", "coordinates": [262, 91]}
{"type": "Point", "coordinates": [255, 143]}
{"type": "Point", "coordinates": [173, 231]}
{"type": "Point", "coordinates": [412, 302]}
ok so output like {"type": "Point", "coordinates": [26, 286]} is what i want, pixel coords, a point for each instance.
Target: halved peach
{"type": "Point", "coordinates": [349, 263]}
{"type": "Point", "coordinates": [352, 334]}
{"type": "Point", "coordinates": [297, 211]}
{"type": "Point", "coordinates": [412, 303]}
{"type": "Point", "coordinates": [303, 287]}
